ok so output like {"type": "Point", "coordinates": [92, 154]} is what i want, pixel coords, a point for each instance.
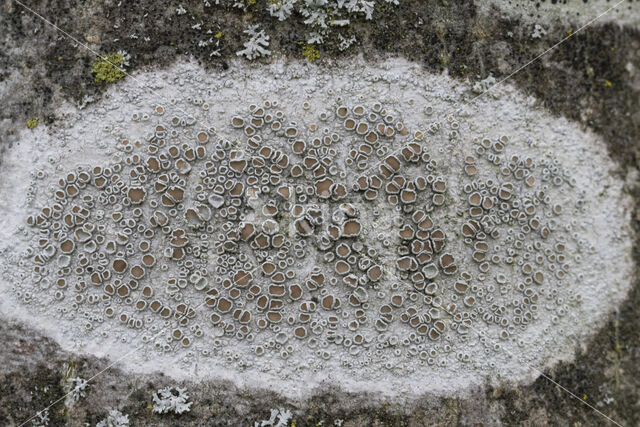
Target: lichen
{"type": "Point", "coordinates": [311, 211]}
{"type": "Point", "coordinates": [32, 123]}
{"type": "Point", "coordinates": [278, 418]}
{"type": "Point", "coordinates": [257, 44]}
{"type": "Point", "coordinates": [109, 68]}
{"type": "Point", "coordinates": [115, 418]}
{"type": "Point", "coordinates": [171, 399]}
{"type": "Point", "coordinates": [76, 390]}
{"type": "Point", "coordinates": [41, 419]}
{"type": "Point", "coordinates": [310, 52]}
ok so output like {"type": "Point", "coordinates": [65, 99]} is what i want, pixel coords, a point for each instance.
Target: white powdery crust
{"type": "Point", "coordinates": [348, 225]}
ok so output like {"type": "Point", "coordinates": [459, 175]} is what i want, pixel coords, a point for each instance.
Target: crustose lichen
{"type": "Point", "coordinates": [341, 223]}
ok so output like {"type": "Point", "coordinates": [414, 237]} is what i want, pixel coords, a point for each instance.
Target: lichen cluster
{"type": "Point", "coordinates": [109, 68]}
{"type": "Point", "coordinates": [310, 52]}
{"type": "Point", "coordinates": [296, 234]}
{"type": "Point", "coordinates": [322, 16]}
{"type": "Point", "coordinates": [321, 19]}
{"type": "Point", "coordinates": [171, 400]}
{"type": "Point", "coordinates": [257, 44]}
{"type": "Point", "coordinates": [114, 418]}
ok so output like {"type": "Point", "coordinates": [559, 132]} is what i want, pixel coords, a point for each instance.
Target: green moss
{"type": "Point", "coordinates": [310, 52]}
{"type": "Point", "coordinates": [32, 123]}
{"type": "Point", "coordinates": [108, 68]}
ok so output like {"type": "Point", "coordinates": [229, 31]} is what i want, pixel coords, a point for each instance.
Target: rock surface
{"type": "Point", "coordinates": [592, 79]}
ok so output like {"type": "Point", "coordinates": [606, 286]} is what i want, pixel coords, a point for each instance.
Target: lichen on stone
{"type": "Point", "coordinates": [310, 52]}
{"type": "Point", "coordinates": [77, 389]}
{"type": "Point", "coordinates": [257, 44]}
{"type": "Point", "coordinates": [171, 399]}
{"type": "Point", "coordinates": [110, 68]}
{"type": "Point", "coordinates": [41, 418]}
{"type": "Point", "coordinates": [115, 418]}
{"type": "Point", "coordinates": [329, 221]}
{"type": "Point", "coordinates": [278, 418]}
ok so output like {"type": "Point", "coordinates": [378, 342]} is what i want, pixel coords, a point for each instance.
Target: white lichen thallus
{"type": "Point", "coordinates": [256, 267]}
